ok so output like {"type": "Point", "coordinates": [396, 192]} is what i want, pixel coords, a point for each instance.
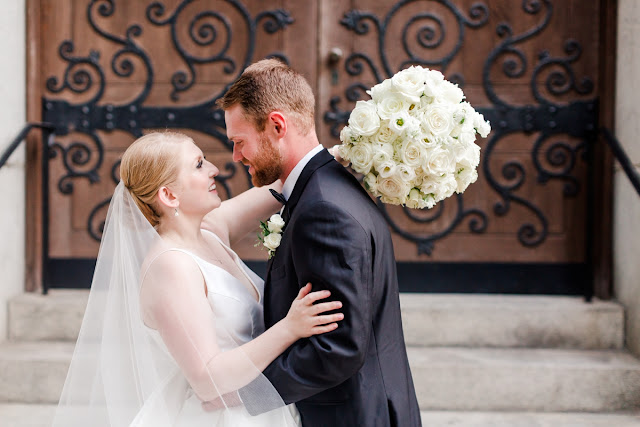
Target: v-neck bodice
{"type": "Point", "coordinates": [236, 311]}
{"type": "Point", "coordinates": [238, 315]}
{"type": "Point", "coordinates": [248, 273]}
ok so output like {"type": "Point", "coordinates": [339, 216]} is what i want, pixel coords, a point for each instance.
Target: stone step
{"type": "Point", "coordinates": [538, 380]}
{"type": "Point", "coordinates": [529, 419]}
{"type": "Point", "coordinates": [463, 320]}
{"type": "Point", "coordinates": [446, 379]}
{"type": "Point", "coordinates": [56, 316]}
{"type": "Point", "coordinates": [33, 372]}
{"type": "Point", "coordinates": [20, 415]}
{"type": "Point", "coordinates": [429, 320]}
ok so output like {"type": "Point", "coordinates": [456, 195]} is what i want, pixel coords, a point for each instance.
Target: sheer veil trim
{"type": "Point", "coordinates": [120, 375]}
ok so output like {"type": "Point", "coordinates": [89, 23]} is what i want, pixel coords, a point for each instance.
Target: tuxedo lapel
{"type": "Point", "coordinates": [317, 161]}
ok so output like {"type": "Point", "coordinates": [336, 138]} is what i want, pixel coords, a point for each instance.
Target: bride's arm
{"type": "Point", "coordinates": [173, 302]}
{"type": "Point", "coordinates": [240, 215]}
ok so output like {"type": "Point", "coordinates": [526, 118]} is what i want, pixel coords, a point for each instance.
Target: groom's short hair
{"type": "Point", "coordinates": [270, 85]}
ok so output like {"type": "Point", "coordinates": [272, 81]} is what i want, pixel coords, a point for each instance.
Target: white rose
{"type": "Point", "coordinates": [346, 136]}
{"type": "Point", "coordinates": [465, 176]}
{"type": "Point", "coordinates": [344, 151]}
{"type": "Point", "coordinates": [439, 161]}
{"type": "Point", "coordinates": [272, 241]}
{"type": "Point", "coordinates": [391, 200]}
{"type": "Point", "coordinates": [383, 153]}
{"type": "Point", "coordinates": [433, 83]}
{"type": "Point", "coordinates": [432, 75]}
{"type": "Point", "coordinates": [429, 201]}
{"type": "Point", "coordinates": [482, 126]}
{"type": "Point", "coordinates": [364, 119]}
{"type": "Point", "coordinates": [467, 137]}
{"type": "Point", "coordinates": [425, 102]}
{"type": "Point", "coordinates": [406, 173]}
{"type": "Point", "coordinates": [385, 135]}
{"type": "Point", "coordinates": [463, 117]}
{"type": "Point", "coordinates": [447, 186]}
{"type": "Point", "coordinates": [393, 187]}
{"type": "Point", "coordinates": [451, 92]}
{"type": "Point", "coordinates": [275, 223]}
{"type": "Point", "coordinates": [413, 153]}
{"type": "Point", "coordinates": [371, 183]}
{"type": "Point", "coordinates": [415, 198]}
{"type": "Point", "coordinates": [403, 123]}
{"type": "Point", "coordinates": [438, 120]}
{"type": "Point", "coordinates": [410, 83]}
{"type": "Point", "coordinates": [467, 154]}
{"type": "Point", "coordinates": [412, 128]}
{"type": "Point", "coordinates": [382, 90]}
{"type": "Point", "coordinates": [391, 105]}
{"type": "Point", "coordinates": [361, 156]}
{"type": "Point", "coordinates": [440, 187]}
{"type": "Point", "coordinates": [386, 169]}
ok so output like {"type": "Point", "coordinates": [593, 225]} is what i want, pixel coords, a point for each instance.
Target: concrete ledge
{"type": "Point", "coordinates": [511, 321]}
{"type": "Point", "coordinates": [525, 380]}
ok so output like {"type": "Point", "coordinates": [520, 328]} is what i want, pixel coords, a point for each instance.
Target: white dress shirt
{"type": "Point", "coordinates": [291, 180]}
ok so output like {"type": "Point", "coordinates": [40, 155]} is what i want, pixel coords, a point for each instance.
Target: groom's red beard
{"type": "Point", "coordinates": [267, 164]}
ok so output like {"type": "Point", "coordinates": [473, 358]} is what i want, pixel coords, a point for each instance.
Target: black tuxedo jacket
{"type": "Point", "coordinates": [336, 238]}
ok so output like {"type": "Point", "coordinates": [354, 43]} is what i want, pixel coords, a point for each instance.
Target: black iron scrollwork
{"type": "Point", "coordinates": [548, 118]}
{"type": "Point", "coordinates": [85, 74]}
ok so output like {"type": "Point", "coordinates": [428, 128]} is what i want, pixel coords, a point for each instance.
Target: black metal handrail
{"type": "Point", "coordinates": [21, 137]}
{"type": "Point", "coordinates": [48, 134]}
{"type": "Point", "coordinates": [623, 158]}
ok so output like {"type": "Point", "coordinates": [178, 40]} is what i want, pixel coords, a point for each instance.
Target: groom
{"type": "Point", "coordinates": [335, 238]}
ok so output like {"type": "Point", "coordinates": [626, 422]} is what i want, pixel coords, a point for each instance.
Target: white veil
{"type": "Point", "coordinates": [121, 373]}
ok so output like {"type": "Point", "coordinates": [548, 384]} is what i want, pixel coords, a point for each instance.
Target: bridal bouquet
{"type": "Point", "coordinates": [414, 140]}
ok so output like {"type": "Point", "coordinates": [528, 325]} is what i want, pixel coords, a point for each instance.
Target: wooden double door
{"type": "Point", "coordinates": [105, 71]}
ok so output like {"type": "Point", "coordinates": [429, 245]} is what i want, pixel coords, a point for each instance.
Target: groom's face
{"type": "Point", "coordinates": [253, 148]}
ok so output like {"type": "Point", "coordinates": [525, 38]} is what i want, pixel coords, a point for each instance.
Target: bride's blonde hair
{"type": "Point", "coordinates": [149, 163]}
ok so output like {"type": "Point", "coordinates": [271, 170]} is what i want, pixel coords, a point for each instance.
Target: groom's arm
{"type": "Point", "coordinates": [332, 251]}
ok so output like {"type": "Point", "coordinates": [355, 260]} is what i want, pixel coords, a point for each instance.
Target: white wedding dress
{"type": "Point", "coordinates": [239, 318]}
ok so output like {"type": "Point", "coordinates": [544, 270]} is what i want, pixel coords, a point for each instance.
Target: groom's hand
{"type": "Point", "coordinates": [228, 400]}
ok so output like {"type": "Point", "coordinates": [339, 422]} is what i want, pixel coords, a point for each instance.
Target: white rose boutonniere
{"type": "Point", "coordinates": [271, 233]}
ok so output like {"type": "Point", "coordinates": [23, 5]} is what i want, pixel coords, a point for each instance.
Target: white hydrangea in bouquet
{"type": "Point", "coordinates": [414, 141]}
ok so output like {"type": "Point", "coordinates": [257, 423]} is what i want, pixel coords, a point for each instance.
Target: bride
{"type": "Point", "coordinates": [173, 333]}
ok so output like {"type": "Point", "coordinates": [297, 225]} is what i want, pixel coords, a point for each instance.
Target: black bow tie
{"type": "Point", "coordinates": [278, 196]}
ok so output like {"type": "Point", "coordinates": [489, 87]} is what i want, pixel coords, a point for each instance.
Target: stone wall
{"type": "Point", "coordinates": [626, 237]}
{"type": "Point", "coordinates": [12, 181]}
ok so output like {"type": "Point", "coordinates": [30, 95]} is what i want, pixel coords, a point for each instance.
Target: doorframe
{"type": "Point", "coordinates": [601, 256]}
{"type": "Point", "coordinates": [601, 228]}
{"type": "Point", "coordinates": [33, 196]}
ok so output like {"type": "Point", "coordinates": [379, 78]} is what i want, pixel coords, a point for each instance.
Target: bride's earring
{"type": "Point", "coordinates": [176, 214]}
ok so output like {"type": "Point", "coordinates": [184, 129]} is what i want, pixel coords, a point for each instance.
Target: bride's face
{"type": "Point", "coordinates": [196, 182]}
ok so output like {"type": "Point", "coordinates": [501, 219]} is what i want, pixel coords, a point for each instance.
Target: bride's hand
{"type": "Point", "coordinates": [305, 318]}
